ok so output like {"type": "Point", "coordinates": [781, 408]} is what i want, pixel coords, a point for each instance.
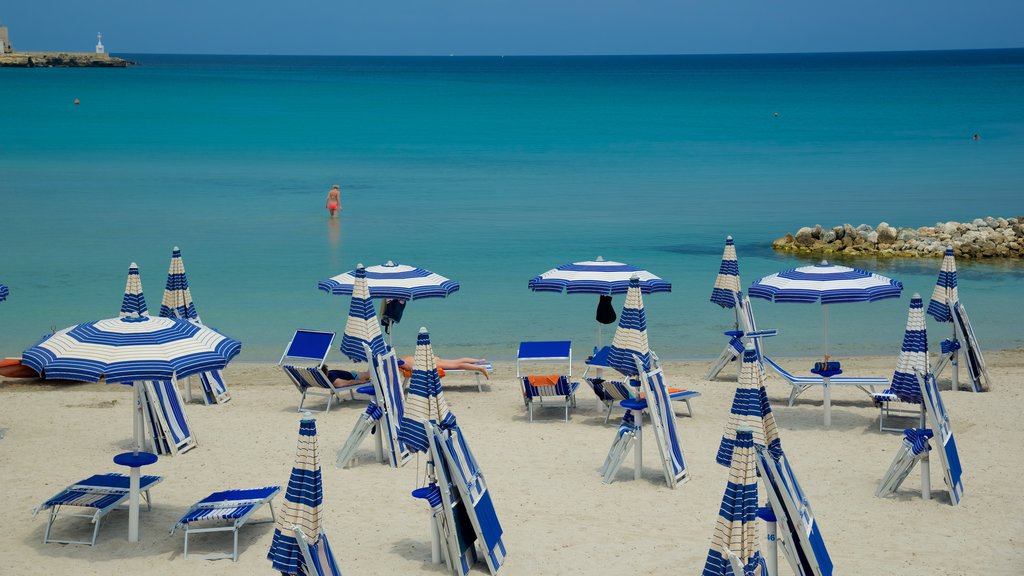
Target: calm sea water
{"type": "Point", "coordinates": [491, 171]}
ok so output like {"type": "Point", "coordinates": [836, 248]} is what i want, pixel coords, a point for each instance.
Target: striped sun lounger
{"type": "Point", "coordinates": [102, 493]}
{"type": "Point", "coordinates": [168, 422]}
{"type": "Point", "coordinates": [802, 383]}
{"type": "Point", "coordinates": [230, 509]}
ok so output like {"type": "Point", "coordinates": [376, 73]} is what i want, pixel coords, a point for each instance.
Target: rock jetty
{"type": "Point", "coordinates": [980, 238]}
{"type": "Point", "coordinates": [61, 60]}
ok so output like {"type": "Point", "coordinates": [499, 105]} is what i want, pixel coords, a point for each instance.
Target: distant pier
{"type": "Point", "coordinates": [61, 60]}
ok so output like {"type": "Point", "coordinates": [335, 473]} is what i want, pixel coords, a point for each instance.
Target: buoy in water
{"type": "Point", "coordinates": [776, 114]}
{"type": "Point", "coordinates": [77, 102]}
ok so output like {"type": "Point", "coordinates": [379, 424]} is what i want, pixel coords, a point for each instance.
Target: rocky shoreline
{"type": "Point", "coordinates": [61, 60]}
{"type": "Point", "coordinates": [980, 238]}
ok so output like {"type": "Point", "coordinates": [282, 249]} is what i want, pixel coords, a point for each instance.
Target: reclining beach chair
{"type": "Point", "coordinates": [303, 360]}
{"type": "Point", "coordinates": [734, 349]}
{"type": "Point", "coordinates": [228, 511]}
{"type": "Point", "coordinates": [164, 409]}
{"type": "Point", "coordinates": [479, 383]}
{"type": "Point", "coordinates": [800, 384]}
{"type": "Point", "coordinates": [536, 388]}
{"type": "Point", "coordinates": [612, 392]}
{"type": "Point", "coordinates": [383, 414]}
{"type": "Point", "coordinates": [318, 558]}
{"type": "Point", "coordinates": [102, 493]}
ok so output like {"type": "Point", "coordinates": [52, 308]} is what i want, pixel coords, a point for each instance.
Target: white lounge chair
{"type": "Point", "coordinates": [800, 384]}
{"type": "Point", "coordinates": [384, 413]}
{"type": "Point", "coordinates": [303, 362]}
{"type": "Point", "coordinates": [168, 422]}
{"type": "Point", "coordinates": [228, 511]}
{"type": "Point", "coordinates": [101, 493]}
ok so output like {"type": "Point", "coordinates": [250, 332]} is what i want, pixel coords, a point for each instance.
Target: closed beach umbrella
{"type": "Point", "coordinates": [177, 302]}
{"type": "Point", "coordinates": [825, 283]}
{"type": "Point", "coordinates": [394, 281]}
{"type": "Point", "coordinates": [726, 292]}
{"type": "Point", "coordinates": [425, 401]}
{"type": "Point", "coordinates": [631, 334]}
{"type": "Point", "coordinates": [134, 302]}
{"type": "Point", "coordinates": [361, 327]}
{"type": "Point", "coordinates": [303, 504]}
{"type": "Point", "coordinates": [913, 356]}
{"type": "Point", "coordinates": [945, 293]}
{"type": "Point", "coordinates": [750, 411]}
{"type": "Point", "coordinates": [3, 292]}
{"type": "Point", "coordinates": [735, 539]}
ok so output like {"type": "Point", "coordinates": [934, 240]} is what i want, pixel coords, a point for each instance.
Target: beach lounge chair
{"type": "Point", "coordinates": [383, 414]}
{"type": "Point", "coordinates": [892, 406]}
{"type": "Point", "coordinates": [101, 493]}
{"type": "Point", "coordinates": [659, 408]}
{"type": "Point", "coordinates": [734, 349]}
{"type": "Point", "coordinates": [536, 388]}
{"type": "Point", "coordinates": [215, 390]}
{"type": "Point", "coordinates": [800, 384]}
{"type": "Point", "coordinates": [319, 559]}
{"type": "Point", "coordinates": [612, 392]}
{"type": "Point", "coordinates": [303, 360]}
{"type": "Point", "coordinates": [165, 413]}
{"type": "Point", "coordinates": [227, 511]}
{"type": "Point", "coordinates": [479, 383]}
{"type": "Point", "coordinates": [450, 513]}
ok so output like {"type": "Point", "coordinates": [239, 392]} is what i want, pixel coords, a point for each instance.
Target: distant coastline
{"type": "Point", "coordinates": [61, 60]}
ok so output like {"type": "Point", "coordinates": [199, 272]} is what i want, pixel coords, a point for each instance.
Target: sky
{"type": "Point", "coordinates": [512, 27]}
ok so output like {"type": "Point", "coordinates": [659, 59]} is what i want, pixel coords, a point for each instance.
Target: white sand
{"type": "Point", "coordinates": [557, 515]}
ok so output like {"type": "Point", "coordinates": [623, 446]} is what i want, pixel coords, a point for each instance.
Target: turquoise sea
{"type": "Point", "coordinates": [490, 171]}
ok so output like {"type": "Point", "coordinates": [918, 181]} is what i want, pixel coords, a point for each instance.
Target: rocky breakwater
{"type": "Point", "coordinates": [980, 238]}
{"type": "Point", "coordinates": [61, 60]}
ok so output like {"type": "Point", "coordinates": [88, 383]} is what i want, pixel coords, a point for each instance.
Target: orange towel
{"type": "Point", "coordinates": [550, 380]}
{"type": "Point", "coordinates": [406, 371]}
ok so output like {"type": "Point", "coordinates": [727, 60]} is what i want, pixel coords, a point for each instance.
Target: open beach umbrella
{"type": "Point", "coordinates": [913, 356]}
{"type": "Point", "coordinates": [362, 327]}
{"type": "Point", "coordinates": [750, 411]}
{"type": "Point", "coordinates": [945, 293]}
{"type": "Point", "coordinates": [303, 503]}
{"type": "Point", "coordinates": [825, 283]}
{"type": "Point", "coordinates": [177, 301]}
{"type": "Point", "coordinates": [134, 302]}
{"type": "Point", "coordinates": [726, 292]}
{"type": "Point", "coordinates": [631, 334]}
{"type": "Point", "coordinates": [735, 542]}
{"type": "Point", "coordinates": [393, 281]}
{"type": "Point", "coordinates": [3, 292]}
{"type": "Point", "coordinates": [425, 402]}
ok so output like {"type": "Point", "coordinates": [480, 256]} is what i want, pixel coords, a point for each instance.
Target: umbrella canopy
{"type": "Point", "coordinates": [913, 356]}
{"type": "Point", "coordinates": [750, 411]}
{"type": "Point", "coordinates": [736, 530]}
{"type": "Point", "coordinates": [425, 401]}
{"type": "Point", "coordinates": [598, 276]}
{"type": "Point", "coordinates": [631, 334]}
{"type": "Point", "coordinates": [134, 302]}
{"type": "Point", "coordinates": [3, 292]}
{"type": "Point", "coordinates": [945, 292]}
{"type": "Point", "coordinates": [396, 281]}
{"type": "Point", "coordinates": [825, 283]}
{"type": "Point", "coordinates": [177, 302]}
{"type": "Point", "coordinates": [131, 348]}
{"type": "Point", "coordinates": [726, 292]}
{"type": "Point", "coordinates": [303, 503]}
{"type": "Point", "coordinates": [362, 327]}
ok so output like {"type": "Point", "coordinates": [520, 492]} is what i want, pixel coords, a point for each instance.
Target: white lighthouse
{"type": "Point", "coordinates": [99, 44]}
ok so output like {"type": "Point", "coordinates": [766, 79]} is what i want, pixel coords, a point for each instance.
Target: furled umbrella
{"type": "Point", "coordinates": [727, 292]}
{"type": "Point", "coordinates": [425, 402]}
{"type": "Point", "coordinates": [4, 292]}
{"type": "Point", "coordinates": [913, 358]}
{"type": "Point", "coordinates": [133, 305]}
{"type": "Point", "coordinates": [945, 293]}
{"type": "Point", "coordinates": [750, 411]}
{"type": "Point", "coordinates": [735, 544]}
{"type": "Point", "coordinates": [177, 301]}
{"type": "Point", "coordinates": [630, 338]}
{"type": "Point", "coordinates": [361, 327]}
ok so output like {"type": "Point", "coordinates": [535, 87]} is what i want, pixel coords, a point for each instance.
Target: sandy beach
{"type": "Point", "coordinates": [558, 517]}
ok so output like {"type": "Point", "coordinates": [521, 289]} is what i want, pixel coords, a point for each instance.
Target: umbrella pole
{"type": "Point", "coordinates": [955, 360]}
{"type": "Point", "coordinates": [926, 477]}
{"type": "Point", "coordinates": [825, 381]}
{"type": "Point", "coordinates": [138, 429]}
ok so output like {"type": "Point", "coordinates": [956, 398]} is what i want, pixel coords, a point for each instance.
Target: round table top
{"type": "Point", "coordinates": [135, 459]}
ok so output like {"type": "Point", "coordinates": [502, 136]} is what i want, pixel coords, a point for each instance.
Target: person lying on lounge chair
{"type": "Point", "coordinates": [346, 377]}
{"type": "Point", "coordinates": [405, 364]}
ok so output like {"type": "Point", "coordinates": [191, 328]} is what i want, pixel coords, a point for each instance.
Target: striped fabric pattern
{"type": "Point", "coordinates": [561, 387]}
{"type": "Point", "coordinates": [631, 334]}
{"type": "Point", "coordinates": [598, 276]}
{"type": "Point", "coordinates": [727, 284]}
{"type": "Point", "coordinates": [303, 503]}
{"type": "Point", "coordinates": [227, 505]}
{"type": "Point", "coordinates": [362, 326]}
{"type": "Point", "coordinates": [659, 405]}
{"type": "Point", "coordinates": [750, 411]}
{"type": "Point", "coordinates": [4, 292]}
{"type": "Point", "coordinates": [913, 355]}
{"type": "Point", "coordinates": [913, 448]}
{"type": "Point", "coordinates": [324, 563]}
{"type": "Point", "coordinates": [128, 349]}
{"type": "Point", "coordinates": [134, 303]}
{"type": "Point", "coordinates": [177, 301]}
{"type": "Point", "coordinates": [736, 529]}
{"type": "Point", "coordinates": [945, 291]}
{"type": "Point", "coordinates": [425, 401]}
{"type": "Point", "coordinates": [825, 283]}
{"type": "Point", "coordinates": [392, 280]}
{"type": "Point", "coordinates": [100, 491]}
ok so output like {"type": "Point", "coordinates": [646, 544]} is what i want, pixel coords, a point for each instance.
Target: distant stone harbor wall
{"type": "Point", "coordinates": [61, 60]}
{"type": "Point", "coordinates": [980, 238]}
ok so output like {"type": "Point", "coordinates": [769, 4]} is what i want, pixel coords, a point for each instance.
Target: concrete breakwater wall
{"type": "Point", "coordinates": [980, 238]}
{"type": "Point", "coordinates": [61, 60]}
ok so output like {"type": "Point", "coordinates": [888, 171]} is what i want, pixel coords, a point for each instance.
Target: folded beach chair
{"type": "Point", "coordinates": [303, 360]}
{"type": "Point", "coordinates": [215, 390]}
{"type": "Point", "coordinates": [319, 559]}
{"type": "Point", "coordinates": [383, 414]}
{"type": "Point", "coordinates": [914, 449]}
{"type": "Point", "coordinates": [225, 511]}
{"type": "Point", "coordinates": [101, 493]}
{"type": "Point", "coordinates": [626, 436]}
{"type": "Point", "coordinates": [612, 392]}
{"type": "Point", "coordinates": [802, 383]}
{"type": "Point", "coordinates": [165, 413]}
{"type": "Point", "coordinates": [450, 513]}
{"type": "Point", "coordinates": [734, 349]}
{"type": "Point", "coordinates": [537, 388]}
{"type": "Point", "coordinates": [666, 433]}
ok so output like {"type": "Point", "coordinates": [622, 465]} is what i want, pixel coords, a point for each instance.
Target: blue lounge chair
{"type": "Point", "coordinates": [215, 389]}
{"type": "Point", "coordinates": [230, 509]}
{"type": "Point", "coordinates": [101, 493]}
{"type": "Point", "coordinates": [165, 412]}
{"type": "Point", "coordinates": [537, 388]}
{"type": "Point", "coordinates": [383, 414]}
{"type": "Point", "coordinates": [319, 559]}
{"type": "Point", "coordinates": [659, 407]}
{"type": "Point", "coordinates": [612, 392]}
{"type": "Point", "coordinates": [303, 360]}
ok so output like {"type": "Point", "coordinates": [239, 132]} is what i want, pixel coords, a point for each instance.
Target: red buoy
{"type": "Point", "coordinates": [77, 102]}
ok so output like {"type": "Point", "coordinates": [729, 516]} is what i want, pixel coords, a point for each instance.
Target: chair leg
{"type": "Point", "coordinates": [529, 406]}
{"type": "Point", "coordinates": [689, 408]}
{"type": "Point", "coordinates": [792, 395]}
{"type": "Point", "coordinates": [608, 414]}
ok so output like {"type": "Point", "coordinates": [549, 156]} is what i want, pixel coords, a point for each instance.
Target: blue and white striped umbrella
{"type": "Point", "coordinates": [396, 281]}
{"type": "Point", "coordinates": [3, 292]}
{"type": "Point", "coordinates": [303, 504]}
{"type": "Point", "coordinates": [913, 355]}
{"type": "Point", "coordinates": [177, 302]}
{"type": "Point", "coordinates": [736, 529]}
{"type": "Point", "coordinates": [726, 292]}
{"type": "Point", "coordinates": [131, 349]}
{"type": "Point", "coordinates": [361, 327]}
{"type": "Point", "coordinates": [825, 283]}
{"type": "Point", "coordinates": [945, 292]}
{"type": "Point", "coordinates": [425, 401]}
{"type": "Point", "coordinates": [631, 334]}
{"type": "Point", "coordinates": [598, 276]}
{"type": "Point", "coordinates": [134, 302]}
{"type": "Point", "coordinates": [750, 410]}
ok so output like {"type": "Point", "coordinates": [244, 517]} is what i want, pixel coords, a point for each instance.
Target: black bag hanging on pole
{"type": "Point", "coordinates": [605, 311]}
{"type": "Point", "coordinates": [391, 313]}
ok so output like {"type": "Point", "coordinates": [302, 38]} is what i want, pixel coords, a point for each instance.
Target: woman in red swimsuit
{"type": "Point", "coordinates": [334, 201]}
